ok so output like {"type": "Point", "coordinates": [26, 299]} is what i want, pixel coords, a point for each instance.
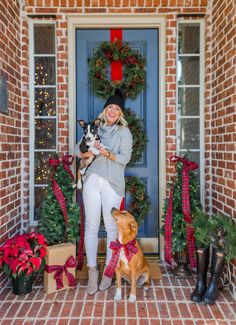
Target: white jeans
{"type": "Point", "coordinates": [98, 195]}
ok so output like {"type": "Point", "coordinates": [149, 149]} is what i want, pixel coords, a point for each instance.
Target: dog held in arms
{"type": "Point", "coordinates": [87, 143]}
{"type": "Point", "coordinates": [131, 264]}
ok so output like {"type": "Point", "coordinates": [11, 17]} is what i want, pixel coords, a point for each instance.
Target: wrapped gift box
{"type": "Point", "coordinates": [60, 264]}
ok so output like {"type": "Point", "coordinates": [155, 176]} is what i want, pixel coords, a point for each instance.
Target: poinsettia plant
{"type": "Point", "coordinates": [23, 255]}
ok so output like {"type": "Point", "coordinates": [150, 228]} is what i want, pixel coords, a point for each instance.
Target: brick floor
{"type": "Point", "coordinates": [166, 302]}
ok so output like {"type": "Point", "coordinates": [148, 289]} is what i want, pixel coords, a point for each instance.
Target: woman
{"type": "Point", "coordinates": [104, 184]}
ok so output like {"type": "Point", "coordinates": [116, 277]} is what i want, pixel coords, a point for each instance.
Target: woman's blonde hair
{"type": "Point", "coordinates": [121, 120]}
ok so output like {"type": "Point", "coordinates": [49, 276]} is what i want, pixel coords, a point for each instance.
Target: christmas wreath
{"type": "Point", "coordinates": [133, 70]}
{"type": "Point", "coordinates": [140, 203]}
{"type": "Point", "coordinates": [139, 135]}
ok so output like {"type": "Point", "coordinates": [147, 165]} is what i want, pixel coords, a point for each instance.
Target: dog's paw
{"type": "Point", "coordinates": [132, 298]}
{"type": "Point", "coordinates": [118, 295]}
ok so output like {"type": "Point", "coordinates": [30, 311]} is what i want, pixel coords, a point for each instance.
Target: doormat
{"type": "Point", "coordinates": [154, 266]}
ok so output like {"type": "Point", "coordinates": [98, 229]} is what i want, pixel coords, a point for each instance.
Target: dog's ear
{"type": "Point", "coordinates": [133, 226]}
{"type": "Point", "coordinates": [97, 121]}
{"type": "Point", "coordinates": [82, 123]}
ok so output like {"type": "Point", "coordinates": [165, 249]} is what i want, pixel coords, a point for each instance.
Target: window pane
{"type": "Point", "coordinates": [189, 133]}
{"type": "Point", "coordinates": [45, 71]}
{"type": "Point", "coordinates": [39, 193]}
{"type": "Point", "coordinates": [188, 101]}
{"type": "Point", "coordinates": [42, 170]}
{"type": "Point", "coordinates": [45, 134]}
{"type": "Point", "coordinates": [188, 70]}
{"type": "Point", "coordinates": [44, 39]}
{"type": "Point", "coordinates": [189, 37]}
{"type": "Point", "coordinates": [45, 101]}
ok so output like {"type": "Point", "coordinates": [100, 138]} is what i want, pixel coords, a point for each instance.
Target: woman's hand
{"type": "Point", "coordinates": [104, 152]}
{"type": "Point", "coordinates": [85, 155]}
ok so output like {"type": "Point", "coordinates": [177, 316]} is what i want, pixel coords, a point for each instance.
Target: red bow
{"type": "Point", "coordinates": [187, 165]}
{"type": "Point", "coordinates": [60, 269]}
{"type": "Point", "coordinates": [129, 248]}
{"type": "Point", "coordinates": [67, 161]}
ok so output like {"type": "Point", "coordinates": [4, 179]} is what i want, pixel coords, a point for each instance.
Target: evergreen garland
{"type": "Point", "coordinates": [139, 135]}
{"type": "Point", "coordinates": [134, 76]}
{"type": "Point", "coordinates": [140, 203]}
{"type": "Point", "coordinates": [51, 223]}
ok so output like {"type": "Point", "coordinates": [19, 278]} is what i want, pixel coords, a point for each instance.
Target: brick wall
{"type": "Point", "coordinates": [221, 112]}
{"type": "Point", "coordinates": [10, 123]}
{"type": "Point", "coordinates": [219, 81]}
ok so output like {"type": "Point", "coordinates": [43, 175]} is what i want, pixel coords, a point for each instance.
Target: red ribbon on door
{"type": "Point", "coordinates": [116, 73]}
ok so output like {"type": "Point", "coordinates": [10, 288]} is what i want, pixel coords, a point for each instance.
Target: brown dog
{"type": "Point", "coordinates": [136, 271]}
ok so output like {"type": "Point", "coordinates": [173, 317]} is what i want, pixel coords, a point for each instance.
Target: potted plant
{"type": "Point", "coordinates": [220, 232]}
{"type": "Point", "coordinates": [21, 257]}
{"type": "Point", "coordinates": [203, 231]}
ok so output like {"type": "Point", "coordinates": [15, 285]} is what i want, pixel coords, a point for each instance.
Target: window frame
{"type": "Point", "coordinates": [32, 117]}
{"type": "Point", "coordinates": [201, 87]}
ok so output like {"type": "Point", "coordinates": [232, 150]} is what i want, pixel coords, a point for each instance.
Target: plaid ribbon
{"type": "Point", "coordinates": [187, 165]}
{"type": "Point", "coordinates": [60, 269]}
{"type": "Point", "coordinates": [129, 248]}
{"type": "Point", "coordinates": [67, 161]}
{"type": "Point", "coordinates": [81, 238]}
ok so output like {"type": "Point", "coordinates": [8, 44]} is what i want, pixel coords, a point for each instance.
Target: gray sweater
{"type": "Point", "coordinates": [119, 141]}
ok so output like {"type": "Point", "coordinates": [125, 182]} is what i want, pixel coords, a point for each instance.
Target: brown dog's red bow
{"type": "Point", "coordinates": [129, 248]}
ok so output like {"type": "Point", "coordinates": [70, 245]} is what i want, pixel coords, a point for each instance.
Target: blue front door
{"type": "Point", "coordinates": [145, 106]}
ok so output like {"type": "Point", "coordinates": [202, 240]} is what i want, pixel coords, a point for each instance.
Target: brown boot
{"type": "Point", "coordinates": [92, 286]}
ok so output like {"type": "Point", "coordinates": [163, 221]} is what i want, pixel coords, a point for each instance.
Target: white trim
{"type": "Point", "coordinates": [122, 21]}
{"type": "Point", "coordinates": [31, 121]}
{"type": "Point", "coordinates": [201, 102]}
{"type": "Point", "coordinates": [32, 116]}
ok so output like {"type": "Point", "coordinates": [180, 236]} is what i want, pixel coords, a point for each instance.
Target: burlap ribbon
{"type": "Point", "coordinates": [60, 269]}
{"type": "Point", "coordinates": [129, 248]}
{"type": "Point", "coordinates": [187, 165]}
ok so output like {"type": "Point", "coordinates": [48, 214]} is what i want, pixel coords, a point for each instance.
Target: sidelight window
{"type": "Point", "coordinates": [190, 129]}
{"type": "Point", "coordinates": [43, 112]}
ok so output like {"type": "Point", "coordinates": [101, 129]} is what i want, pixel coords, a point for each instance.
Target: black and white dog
{"type": "Point", "coordinates": [87, 143]}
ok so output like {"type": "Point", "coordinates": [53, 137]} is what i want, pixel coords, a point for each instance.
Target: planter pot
{"type": "Point", "coordinates": [182, 271]}
{"type": "Point", "coordinates": [22, 285]}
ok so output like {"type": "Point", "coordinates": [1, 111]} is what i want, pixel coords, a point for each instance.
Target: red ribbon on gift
{"type": "Point", "coordinates": [187, 165]}
{"type": "Point", "coordinates": [66, 161]}
{"type": "Point", "coordinates": [129, 248]}
{"type": "Point", "coordinates": [60, 269]}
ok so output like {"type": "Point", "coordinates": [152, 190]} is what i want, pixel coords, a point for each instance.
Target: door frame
{"type": "Point", "coordinates": [142, 21]}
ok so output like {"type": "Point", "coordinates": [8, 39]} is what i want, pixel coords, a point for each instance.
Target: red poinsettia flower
{"type": "Point", "coordinates": [23, 254]}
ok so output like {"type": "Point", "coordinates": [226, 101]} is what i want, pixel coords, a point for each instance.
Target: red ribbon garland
{"type": "Point", "coordinates": [60, 269]}
{"type": "Point", "coordinates": [81, 238]}
{"type": "Point", "coordinates": [129, 248]}
{"type": "Point", "coordinates": [187, 165]}
{"type": "Point", "coordinates": [117, 74]}
{"type": "Point", "coordinates": [66, 161]}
